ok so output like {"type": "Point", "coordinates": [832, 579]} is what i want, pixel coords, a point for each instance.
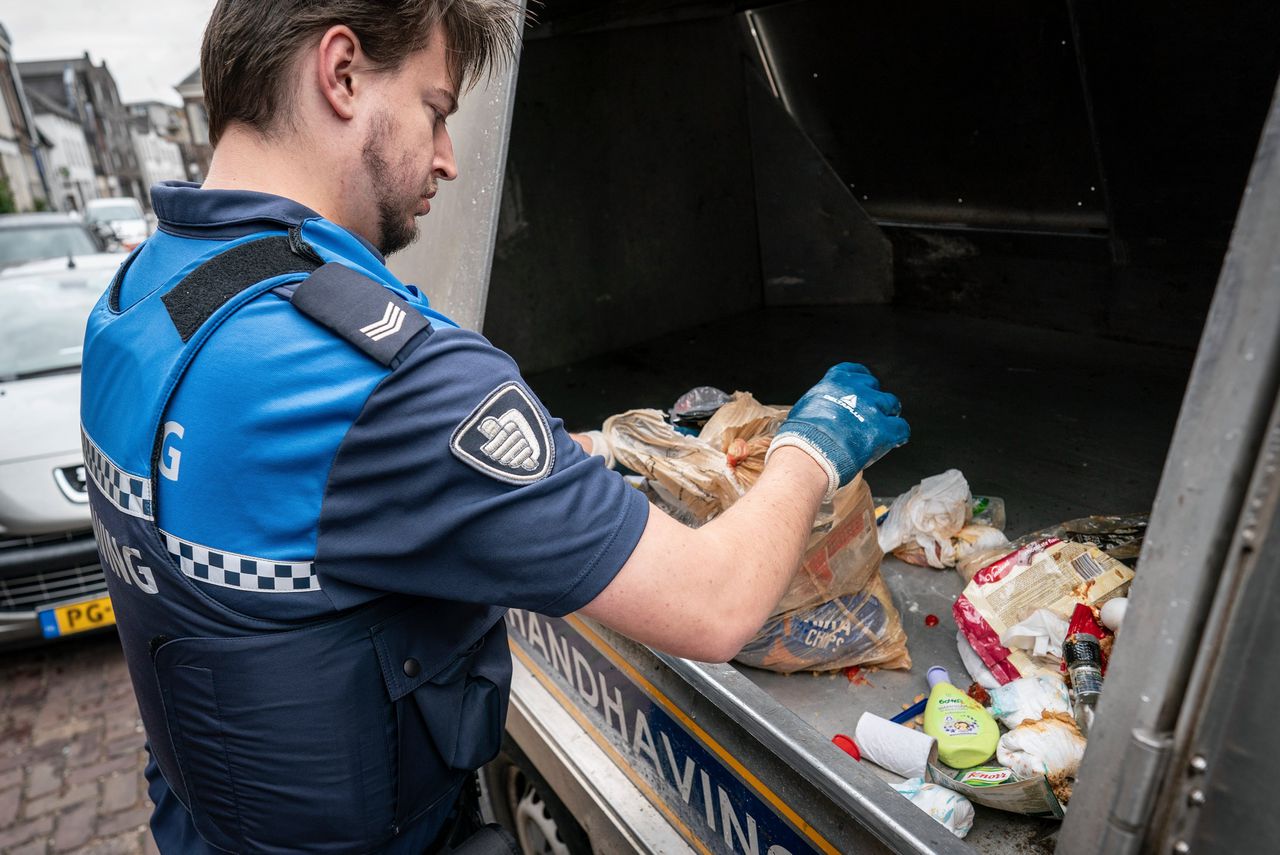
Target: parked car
{"type": "Point", "coordinates": [51, 581]}
{"type": "Point", "coordinates": [119, 218]}
{"type": "Point", "coordinates": [32, 237]}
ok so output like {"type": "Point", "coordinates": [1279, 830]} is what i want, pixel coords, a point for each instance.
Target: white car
{"type": "Point", "coordinates": [30, 237]}
{"type": "Point", "coordinates": [122, 216]}
{"type": "Point", "coordinates": [51, 582]}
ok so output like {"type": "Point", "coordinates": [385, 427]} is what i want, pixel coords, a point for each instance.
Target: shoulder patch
{"type": "Point", "coordinates": [360, 311]}
{"type": "Point", "coordinates": [506, 437]}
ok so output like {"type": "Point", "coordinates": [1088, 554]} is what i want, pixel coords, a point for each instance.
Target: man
{"type": "Point", "coordinates": [316, 495]}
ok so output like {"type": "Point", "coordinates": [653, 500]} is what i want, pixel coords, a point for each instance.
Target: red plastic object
{"type": "Point", "coordinates": [847, 745]}
{"type": "Point", "coordinates": [1082, 620]}
{"type": "Point", "coordinates": [930, 620]}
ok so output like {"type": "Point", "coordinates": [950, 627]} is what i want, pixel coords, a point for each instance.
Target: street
{"type": "Point", "coordinates": [71, 751]}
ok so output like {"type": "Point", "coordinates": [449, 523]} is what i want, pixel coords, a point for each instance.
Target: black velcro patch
{"type": "Point", "coordinates": [360, 311]}
{"type": "Point", "coordinates": [208, 288]}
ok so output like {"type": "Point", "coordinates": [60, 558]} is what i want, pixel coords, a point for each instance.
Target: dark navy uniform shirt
{"type": "Point", "coordinates": [300, 478]}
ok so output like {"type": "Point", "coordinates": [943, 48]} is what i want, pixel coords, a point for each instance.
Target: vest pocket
{"type": "Point", "coordinates": [450, 701]}
{"type": "Point", "coordinates": [473, 690]}
{"type": "Point", "coordinates": [201, 752]}
{"type": "Point", "coordinates": [283, 739]}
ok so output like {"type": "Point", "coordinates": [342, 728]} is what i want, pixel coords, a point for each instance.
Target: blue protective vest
{"type": "Point", "coordinates": [324, 735]}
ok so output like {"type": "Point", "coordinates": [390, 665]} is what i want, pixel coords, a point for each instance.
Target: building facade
{"type": "Point", "coordinates": [192, 91]}
{"type": "Point", "coordinates": [70, 163]}
{"type": "Point", "coordinates": [167, 123]}
{"type": "Point", "coordinates": [22, 175]}
{"type": "Point", "coordinates": [89, 92]}
{"type": "Point", "coordinates": [159, 159]}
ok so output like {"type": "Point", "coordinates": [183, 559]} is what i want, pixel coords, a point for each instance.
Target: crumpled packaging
{"type": "Point", "coordinates": [1051, 746]}
{"type": "Point", "coordinates": [1045, 574]}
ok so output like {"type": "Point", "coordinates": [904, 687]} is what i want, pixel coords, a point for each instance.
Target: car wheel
{"type": "Point", "coordinates": [518, 797]}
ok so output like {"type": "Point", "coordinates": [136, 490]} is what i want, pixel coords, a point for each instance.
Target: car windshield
{"type": "Point", "coordinates": [42, 320]}
{"type": "Point", "coordinates": [33, 243]}
{"type": "Point", "coordinates": [115, 211]}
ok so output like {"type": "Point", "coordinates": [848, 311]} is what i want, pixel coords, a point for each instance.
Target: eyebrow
{"type": "Point", "coordinates": [448, 96]}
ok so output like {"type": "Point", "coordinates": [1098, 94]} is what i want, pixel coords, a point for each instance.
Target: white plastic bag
{"type": "Point", "coordinates": [1028, 699]}
{"type": "Point", "coordinates": [928, 516]}
{"type": "Point", "coordinates": [946, 806]}
{"type": "Point", "coordinates": [1051, 746]}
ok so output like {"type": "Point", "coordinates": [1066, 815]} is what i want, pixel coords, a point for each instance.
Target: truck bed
{"type": "Point", "coordinates": [1060, 425]}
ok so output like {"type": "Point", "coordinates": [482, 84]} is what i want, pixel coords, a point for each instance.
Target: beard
{"type": "Point", "coordinates": [397, 225]}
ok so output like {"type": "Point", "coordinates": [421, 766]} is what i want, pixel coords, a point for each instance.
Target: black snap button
{"type": "Point", "coordinates": [412, 668]}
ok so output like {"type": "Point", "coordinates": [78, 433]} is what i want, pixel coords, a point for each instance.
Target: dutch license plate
{"type": "Point", "coordinates": [77, 617]}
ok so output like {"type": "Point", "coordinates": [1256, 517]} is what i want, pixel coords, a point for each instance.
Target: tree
{"type": "Point", "coordinates": [7, 203]}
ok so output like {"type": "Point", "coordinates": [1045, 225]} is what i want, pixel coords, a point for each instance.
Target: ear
{"type": "Point", "coordinates": [338, 57]}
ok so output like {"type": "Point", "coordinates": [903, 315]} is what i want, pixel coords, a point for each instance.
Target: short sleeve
{"type": "Point", "coordinates": [455, 483]}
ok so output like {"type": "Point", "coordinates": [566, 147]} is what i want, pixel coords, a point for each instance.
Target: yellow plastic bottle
{"type": "Point", "coordinates": [967, 735]}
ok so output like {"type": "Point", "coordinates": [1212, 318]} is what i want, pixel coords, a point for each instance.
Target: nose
{"type": "Point", "coordinates": [443, 166]}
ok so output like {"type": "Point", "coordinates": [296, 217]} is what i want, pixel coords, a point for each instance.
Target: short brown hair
{"type": "Point", "coordinates": [249, 46]}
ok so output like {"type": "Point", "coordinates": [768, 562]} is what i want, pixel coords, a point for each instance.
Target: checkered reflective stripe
{"type": "Point", "coordinates": [130, 493]}
{"type": "Point", "coordinates": [243, 572]}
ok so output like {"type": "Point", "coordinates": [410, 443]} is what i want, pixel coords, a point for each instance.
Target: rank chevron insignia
{"type": "Point", "coordinates": [392, 321]}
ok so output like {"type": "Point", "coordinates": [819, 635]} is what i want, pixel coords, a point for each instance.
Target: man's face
{"type": "Point", "coordinates": [407, 149]}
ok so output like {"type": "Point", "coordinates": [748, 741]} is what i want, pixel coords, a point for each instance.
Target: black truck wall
{"type": "Point", "coordinates": [628, 204]}
{"type": "Point", "coordinates": [1072, 164]}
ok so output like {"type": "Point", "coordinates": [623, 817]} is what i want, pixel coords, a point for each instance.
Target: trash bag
{"type": "Point", "coordinates": [700, 475]}
{"type": "Point", "coordinates": [696, 478]}
{"type": "Point", "coordinates": [861, 629]}
{"type": "Point", "coordinates": [693, 408]}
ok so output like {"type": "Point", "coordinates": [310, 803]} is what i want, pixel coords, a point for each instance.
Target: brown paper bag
{"type": "Point", "coordinates": [696, 479]}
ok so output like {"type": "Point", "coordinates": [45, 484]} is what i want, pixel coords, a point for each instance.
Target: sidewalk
{"type": "Point", "coordinates": [71, 752]}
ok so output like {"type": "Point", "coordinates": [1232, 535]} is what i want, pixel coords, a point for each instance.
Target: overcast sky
{"type": "Point", "coordinates": [149, 45]}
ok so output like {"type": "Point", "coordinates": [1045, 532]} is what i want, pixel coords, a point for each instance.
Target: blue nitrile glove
{"type": "Point", "coordinates": [845, 423]}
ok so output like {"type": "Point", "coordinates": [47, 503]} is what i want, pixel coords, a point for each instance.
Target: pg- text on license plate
{"type": "Point", "coordinates": [77, 617]}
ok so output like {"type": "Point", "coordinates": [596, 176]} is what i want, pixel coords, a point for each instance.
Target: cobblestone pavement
{"type": "Point", "coordinates": [71, 752]}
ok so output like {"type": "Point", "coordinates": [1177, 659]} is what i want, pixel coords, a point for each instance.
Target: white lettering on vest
{"type": "Point", "coordinates": [123, 560]}
{"type": "Point", "coordinates": [170, 456]}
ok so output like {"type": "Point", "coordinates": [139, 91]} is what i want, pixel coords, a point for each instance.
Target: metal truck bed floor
{"type": "Point", "coordinates": [1059, 425]}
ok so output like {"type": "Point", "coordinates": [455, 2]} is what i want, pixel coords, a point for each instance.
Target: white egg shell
{"type": "Point", "coordinates": [1113, 612]}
